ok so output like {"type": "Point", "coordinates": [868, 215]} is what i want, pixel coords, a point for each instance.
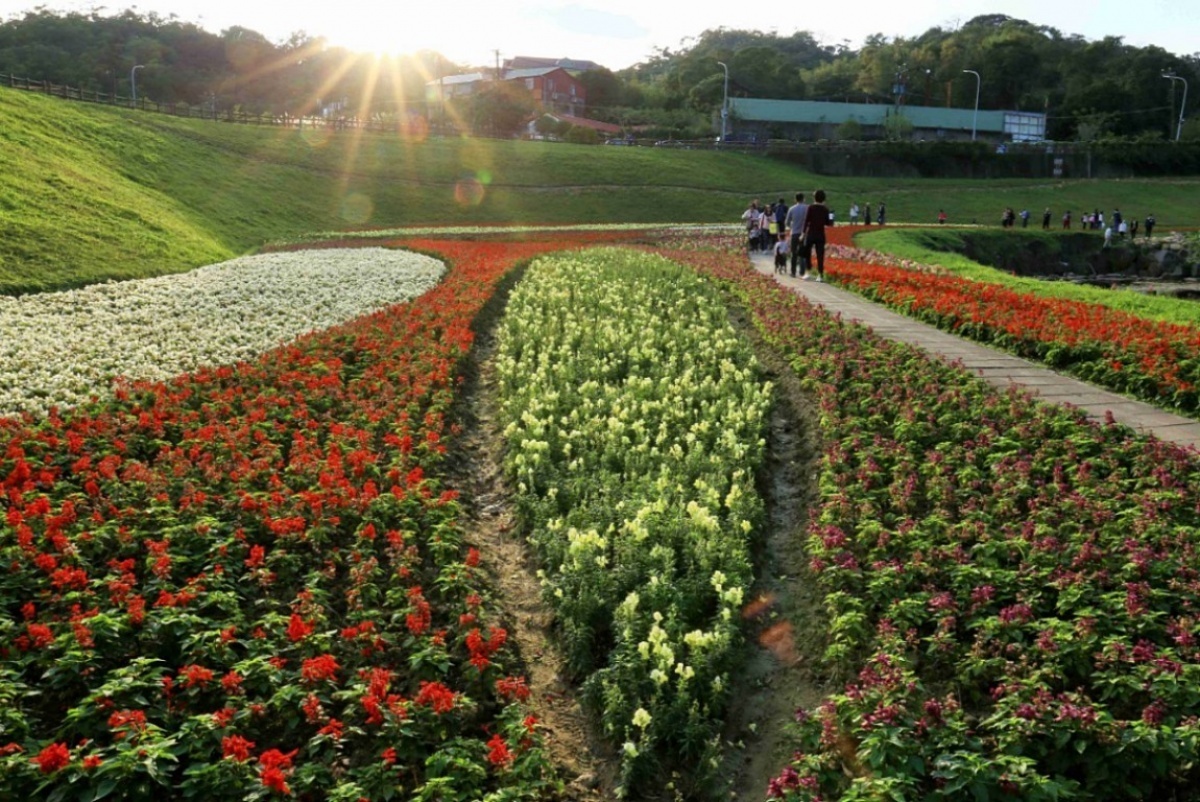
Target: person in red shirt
{"type": "Point", "coordinates": [815, 222]}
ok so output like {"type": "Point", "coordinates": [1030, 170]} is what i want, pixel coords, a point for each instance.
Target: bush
{"type": "Point", "coordinates": [582, 136]}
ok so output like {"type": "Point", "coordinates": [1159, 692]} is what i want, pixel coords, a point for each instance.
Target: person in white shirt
{"type": "Point", "coordinates": [750, 219]}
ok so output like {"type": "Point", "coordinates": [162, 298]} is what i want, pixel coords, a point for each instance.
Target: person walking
{"type": "Point", "coordinates": [815, 222]}
{"type": "Point", "coordinates": [795, 226]}
{"type": "Point", "coordinates": [854, 214]}
{"type": "Point", "coordinates": [1024, 218]}
{"type": "Point", "coordinates": [750, 220]}
{"type": "Point", "coordinates": [781, 209]}
{"type": "Point", "coordinates": [867, 215]}
{"type": "Point", "coordinates": [941, 217]}
{"type": "Point", "coordinates": [882, 213]}
{"type": "Point", "coordinates": [1046, 219]}
{"type": "Point", "coordinates": [1067, 220]}
{"type": "Point", "coordinates": [1150, 221]}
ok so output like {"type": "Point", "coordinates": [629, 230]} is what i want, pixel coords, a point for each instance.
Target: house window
{"type": "Point", "coordinates": [529, 83]}
{"type": "Point", "coordinates": [572, 90]}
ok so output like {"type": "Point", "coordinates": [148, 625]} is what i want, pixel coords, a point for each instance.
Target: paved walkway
{"type": "Point", "coordinates": [998, 368]}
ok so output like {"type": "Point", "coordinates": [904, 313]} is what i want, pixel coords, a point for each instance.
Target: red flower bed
{"type": "Point", "coordinates": [1153, 360]}
{"type": "Point", "coordinates": [251, 579]}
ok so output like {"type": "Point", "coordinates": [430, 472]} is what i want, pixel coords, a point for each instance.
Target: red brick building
{"type": "Point", "coordinates": [553, 88]}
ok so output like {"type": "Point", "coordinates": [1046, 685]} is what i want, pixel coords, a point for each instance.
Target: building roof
{"type": "Point", "coordinates": [813, 111]}
{"type": "Point", "coordinates": [450, 80]}
{"type": "Point", "coordinates": [529, 62]}
{"type": "Point", "coordinates": [530, 72]}
{"type": "Point", "coordinates": [475, 77]}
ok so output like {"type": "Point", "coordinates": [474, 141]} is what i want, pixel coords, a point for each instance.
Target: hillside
{"type": "Point", "coordinates": [90, 193]}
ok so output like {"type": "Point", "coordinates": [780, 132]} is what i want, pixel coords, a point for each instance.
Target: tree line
{"type": "Point", "coordinates": [1089, 90]}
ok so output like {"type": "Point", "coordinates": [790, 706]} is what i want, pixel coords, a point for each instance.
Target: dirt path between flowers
{"type": "Point", "coordinates": [785, 621]}
{"type": "Point", "coordinates": [588, 766]}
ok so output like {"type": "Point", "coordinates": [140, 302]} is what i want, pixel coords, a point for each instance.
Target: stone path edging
{"type": "Point", "coordinates": [996, 367]}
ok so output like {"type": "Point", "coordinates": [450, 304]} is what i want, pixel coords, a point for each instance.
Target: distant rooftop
{"type": "Point", "coordinates": [532, 62]}
{"type": "Point", "coordinates": [814, 111]}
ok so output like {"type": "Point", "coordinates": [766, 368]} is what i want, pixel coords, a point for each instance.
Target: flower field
{"type": "Point", "coordinates": [635, 419]}
{"type": "Point", "coordinates": [254, 580]}
{"type": "Point", "coordinates": [61, 349]}
{"type": "Point", "coordinates": [1156, 361]}
{"type": "Point", "coordinates": [249, 582]}
{"type": "Point", "coordinates": [1013, 590]}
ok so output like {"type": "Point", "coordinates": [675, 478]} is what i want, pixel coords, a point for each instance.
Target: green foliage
{"type": "Point", "coordinates": [898, 128]}
{"type": "Point", "coordinates": [184, 63]}
{"type": "Point", "coordinates": [851, 129]}
{"type": "Point", "coordinates": [499, 108]}
{"type": "Point", "coordinates": [582, 135]}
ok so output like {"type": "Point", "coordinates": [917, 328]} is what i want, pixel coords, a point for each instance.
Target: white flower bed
{"type": "Point", "coordinates": [59, 349]}
{"type": "Point", "coordinates": [482, 230]}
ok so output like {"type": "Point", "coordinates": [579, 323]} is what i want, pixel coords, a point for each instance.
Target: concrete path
{"type": "Point", "coordinates": [998, 368]}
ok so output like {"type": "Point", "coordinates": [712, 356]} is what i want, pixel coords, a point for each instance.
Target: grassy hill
{"type": "Point", "coordinates": [89, 193]}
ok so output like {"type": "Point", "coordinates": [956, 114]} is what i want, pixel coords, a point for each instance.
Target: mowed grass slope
{"type": "Point", "coordinates": [89, 193]}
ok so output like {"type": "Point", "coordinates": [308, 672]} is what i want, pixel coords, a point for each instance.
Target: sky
{"type": "Point", "coordinates": [619, 33]}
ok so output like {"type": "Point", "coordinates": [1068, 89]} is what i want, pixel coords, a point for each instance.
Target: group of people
{"type": "Point", "coordinates": [865, 211]}
{"type": "Point", "coordinates": [795, 233]}
{"type": "Point", "coordinates": [1094, 220]}
{"type": "Point", "coordinates": [764, 225]}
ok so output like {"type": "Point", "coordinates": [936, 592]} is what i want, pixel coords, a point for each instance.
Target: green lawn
{"type": "Point", "coordinates": [89, 193]}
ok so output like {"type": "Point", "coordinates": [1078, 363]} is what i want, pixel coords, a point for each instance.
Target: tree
{"type": "Point", "coordinates": [500, 108]}
{"type": "Point", "coordinates": [582, 135]}
{"type": "Point", "coordinates": [851, 129]}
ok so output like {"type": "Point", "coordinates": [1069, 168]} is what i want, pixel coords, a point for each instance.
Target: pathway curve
{"type": "Point", "coordinates": [998, 368]}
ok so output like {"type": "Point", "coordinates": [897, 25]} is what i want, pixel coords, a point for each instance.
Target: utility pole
{"type": "Point", "coordinates": [975, 118]}
{"type": "Point", "coordinates": [497, 52]}
{"type": "Point", "coordinates": [1172, 77]}
{"type": "Point", "coordinates": [133, 82]}
{"type": "Point", "coordinates": [724, 102]}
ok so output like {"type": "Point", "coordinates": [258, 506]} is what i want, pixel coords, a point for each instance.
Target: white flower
{"type": "Point", "coordinates": [61, 348]}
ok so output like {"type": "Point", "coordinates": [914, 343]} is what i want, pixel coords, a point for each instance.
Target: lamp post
{"type": "Point", "coordinates": [1173, 77]}
{"type": "Point", "coordinates": [133, 81]}
{"type": "Point", "coordinates": [724, 101]}
{"type": "Point", "coordinates": [975, 118]}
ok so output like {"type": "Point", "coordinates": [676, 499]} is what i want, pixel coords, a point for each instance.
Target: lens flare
{"type": "Point", "coordinates": [469, 191]}
{"type": "Point", "coordinates": [315, 135]}
{"type": "Point", "coordinates": [780, 641]}
{"type": "Point", "coordinates": [357, 208]}
{"type": "Point", "coordinates": [414, 129]}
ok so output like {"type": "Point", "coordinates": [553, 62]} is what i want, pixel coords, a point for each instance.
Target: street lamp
{"type": "Point", "coordinates": [1173, 77]}
{"type": "Point", "coordinates": [724, 102]}
{"type": "Point", "coordinates": [975, 119]}
{"type": "Point", "coordinates": [133, 81]}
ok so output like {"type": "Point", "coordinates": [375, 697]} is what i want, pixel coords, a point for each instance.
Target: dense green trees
{"type": "Point", "coordinates": [1088, 89]}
